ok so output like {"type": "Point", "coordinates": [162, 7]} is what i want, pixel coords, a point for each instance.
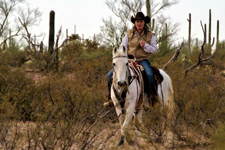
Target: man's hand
{"type": "Point", "coordinates": [142, 43]}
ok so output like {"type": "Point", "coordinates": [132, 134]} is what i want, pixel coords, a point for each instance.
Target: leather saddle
{"type": "Point", "coordinates": [157, 76]}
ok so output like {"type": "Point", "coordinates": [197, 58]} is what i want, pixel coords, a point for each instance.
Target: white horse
{"type": "Point", "coordinates": [125, 93]}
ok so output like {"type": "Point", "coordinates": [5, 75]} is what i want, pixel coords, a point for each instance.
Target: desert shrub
{"type": "Point", "coordinates": [72, 50]}
{"type": "Point", "coordinates": [76, 51]}
{"type": "Point", "coordinates": [199, 99]}
{"type": "Point", "coordinates": [91, 45]}
{"type": "Point", "coordinates": [16, 94]}
{"type": "Point", "coordinates": [13, 58]}
{"type": "Point", "coordinates": [41, 62]}
{"type": "Point", "coordinates": [65, 107]}
{"type": "Point", "coordinates": [218, 61]}
{"type": "Point", "coordinates": [64, 111]}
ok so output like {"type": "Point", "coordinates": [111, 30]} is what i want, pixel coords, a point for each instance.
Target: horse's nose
{"type": "Point", "coordinates": [121, 83]}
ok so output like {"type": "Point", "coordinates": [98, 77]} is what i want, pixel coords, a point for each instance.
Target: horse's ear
{"type": "Point", "coordinates": [114, 50]}
{"type": "Point", "coordinates": [124, 50]}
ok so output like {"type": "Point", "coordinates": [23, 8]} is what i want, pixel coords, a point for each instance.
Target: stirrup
{"type": "Point", "coordinates": [108, 104]}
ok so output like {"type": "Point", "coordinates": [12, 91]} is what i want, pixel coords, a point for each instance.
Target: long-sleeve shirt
{"type": "Point", "coordinates": [148, 47]}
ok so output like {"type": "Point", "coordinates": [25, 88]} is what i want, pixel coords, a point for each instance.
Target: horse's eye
{"type": "Point", "coordinates": [126, 64]}
{"type": "Point", "coordinates": [114, 64]}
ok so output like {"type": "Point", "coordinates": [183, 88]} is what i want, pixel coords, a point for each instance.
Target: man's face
{"type": "Point", "coordinates": [139, 24]}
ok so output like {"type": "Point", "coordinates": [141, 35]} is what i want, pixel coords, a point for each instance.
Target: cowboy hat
{"type": "Point", "coordinates": [140, 16]}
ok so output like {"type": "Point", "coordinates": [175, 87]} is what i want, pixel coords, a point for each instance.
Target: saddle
{"type": "Point", "coordinates": [157, 76]}
{"type": "Point", "coordinates": [158, 80]}
{"type": "Point", "coordinates": [141, 77]}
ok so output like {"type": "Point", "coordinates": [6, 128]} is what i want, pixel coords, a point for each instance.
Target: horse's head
{"type": "Point", "coordinates": [120, 68]}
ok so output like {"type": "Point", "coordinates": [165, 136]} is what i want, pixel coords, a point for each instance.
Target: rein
{"type": "Point", "coordinates": [137, 68]}
{"type": "Point", "coordinates": [132, 67]}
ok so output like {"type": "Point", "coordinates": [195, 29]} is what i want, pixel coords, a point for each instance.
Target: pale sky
{"type": "Point", "coordinates": [87, 16]}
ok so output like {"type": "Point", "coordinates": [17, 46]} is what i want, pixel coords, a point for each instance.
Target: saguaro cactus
{"type": "Point", "coordinates": [153, 24]}
{"type": "Point", "coordinates": [10, 38]}
{"type": "Point", "coordinates": [189, 35]}
{"type": "Point", "coordinates": [148, 8]}
{"type": "Point", "coordinates": [210, 43]}
{"type": "Point", "coordinates": [166, 35]}
{"type": "Point", "coordinates": [67, 34]}
{"type": "Point", "coordinates": [210, 26]}
{"type": "Point", "coordinates": [205, 34]}
{"type": "Point", "coordinates": [196, 42]}
{"type": "Point", "coordinates": [51, 32]}
{"type": "Point", "coordinates": [217, 34]}
{"type": "Point", "coordinates": [41, 47]}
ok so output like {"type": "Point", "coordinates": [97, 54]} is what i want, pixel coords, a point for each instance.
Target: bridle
{"type": "Point", "coordinates": [119, 57]}
{"type": "Point", "coordinates": [130, 81]}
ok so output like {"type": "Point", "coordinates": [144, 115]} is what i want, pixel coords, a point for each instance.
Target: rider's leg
{"type": "Point", "coordinates": [149, 73]}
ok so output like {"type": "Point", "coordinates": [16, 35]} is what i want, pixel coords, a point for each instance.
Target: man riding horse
{"type": "Point", "coordinates": [140, 43]}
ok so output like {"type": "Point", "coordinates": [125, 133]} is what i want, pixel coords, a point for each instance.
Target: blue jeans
{"type": "Point", "coordinates": [109, 75]}
{"type": "Point", "coordinates": [148, 71]}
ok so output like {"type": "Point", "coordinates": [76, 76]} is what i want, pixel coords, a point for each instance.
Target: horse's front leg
{"type": "Point", "coordinates": [138, 120]}
{"type": "Point", "coordinates": [121, 117]}
{"type": "Point", "coordinates": [125, 125]}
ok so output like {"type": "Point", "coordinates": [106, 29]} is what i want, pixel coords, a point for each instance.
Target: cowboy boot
{"type": "Point", "coordinates": [109, 90]}
{"type": "Point", "coordinates": [154, 96]}
{"type": "Point", "coordinates": [154, 100]}
{"type": "Point", "coordinates": [109, 103]}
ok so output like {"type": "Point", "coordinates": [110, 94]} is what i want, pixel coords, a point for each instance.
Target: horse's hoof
{"type": "Point", "coordinates": [121, 141]}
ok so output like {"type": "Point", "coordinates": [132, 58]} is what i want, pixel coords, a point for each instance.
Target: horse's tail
{"type": "Point", "coordinates": [165, 91]}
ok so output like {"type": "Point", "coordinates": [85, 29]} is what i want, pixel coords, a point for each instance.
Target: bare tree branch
{"type": "Point", "coordinates": [27, 19]}
{"type": "Point", "coordinates": [174, 58]}
{"type": "Point", "coordinates": [201, 55]}
{"type": "Point", "coordinates": [165, 4]}
{"type": "Point", "coordinates": [11, 36]}
{"type": "Point", "coordinates": [200, 60]}
{"type": "Point", "coordinates": [28, 36]}
{"type": "Point", "coordinates": [5, 8]}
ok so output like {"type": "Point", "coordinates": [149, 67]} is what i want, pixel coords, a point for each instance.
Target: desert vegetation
{"type": "Point", "coordinates": [53, 99]}
{"type": "Point", "coordinates": [44, 109]}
